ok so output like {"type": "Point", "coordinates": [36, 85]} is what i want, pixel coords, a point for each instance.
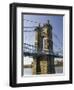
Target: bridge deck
{"type": "Point", "coordinates": [42, 54]}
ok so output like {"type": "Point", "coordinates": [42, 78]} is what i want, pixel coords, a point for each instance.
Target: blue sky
{"type": "Point", "coordinates": [57, 28]}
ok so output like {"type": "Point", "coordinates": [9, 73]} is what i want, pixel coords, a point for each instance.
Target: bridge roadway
{"type": "Point", "coordinates": [42, 54]}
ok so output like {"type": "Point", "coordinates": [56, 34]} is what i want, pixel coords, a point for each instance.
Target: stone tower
{"type": "Point", "coordinates": [44, 63]}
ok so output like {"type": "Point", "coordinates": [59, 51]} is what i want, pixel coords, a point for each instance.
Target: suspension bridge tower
{"type": "Point", "coordinates": [44, 63]}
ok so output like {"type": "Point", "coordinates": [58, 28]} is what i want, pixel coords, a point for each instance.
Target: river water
{"type": "Point", "coordinates": [28, 71]}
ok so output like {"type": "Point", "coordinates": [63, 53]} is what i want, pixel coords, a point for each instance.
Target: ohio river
{"type": "Point", "coordinates": [28, 71]}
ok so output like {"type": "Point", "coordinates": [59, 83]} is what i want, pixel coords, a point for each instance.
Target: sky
{"type": "Point", "coordinates": [56, 22]}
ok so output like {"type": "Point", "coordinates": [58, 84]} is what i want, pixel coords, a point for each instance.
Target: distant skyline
{"type": "Point", "coordinates": [56, 22]}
